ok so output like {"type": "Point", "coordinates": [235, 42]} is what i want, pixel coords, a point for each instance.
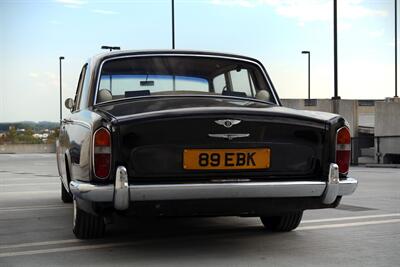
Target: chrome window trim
{"type": "Point", "coordinates": [266, 77]}
{"type": "Point", "coordinates": [82, 123]}
{"type": "Point", "coordinates": [78, 93]}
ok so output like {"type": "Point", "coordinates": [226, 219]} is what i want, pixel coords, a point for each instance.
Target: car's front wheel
{"type": "Point", "coordinates": [282, 223]}
{"type": "Point", "coordinates": [86, 225]}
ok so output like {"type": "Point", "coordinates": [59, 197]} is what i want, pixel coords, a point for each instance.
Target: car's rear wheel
{"type": "Point", "coordinates": [86, 225]}
{"type": "Point", "coordinates": [282, 223]}
{"type": "Point", "coordinates": [66, 196]}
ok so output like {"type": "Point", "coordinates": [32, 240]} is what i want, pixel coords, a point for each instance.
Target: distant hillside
{"type": "Point", "coordinates": [36, 126]}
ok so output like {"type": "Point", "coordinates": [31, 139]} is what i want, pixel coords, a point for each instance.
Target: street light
{"type": "Point", "coordinates": [173, 23]}
{"type": "Point", "coordinates": [336, 97]}
{"type": "Point", "coordinates": [111, 48]}
{"type": "Point", "coordinates": [309, 75]}
{"type": "Point", "coordinates": [335, 53]}
{"type": "Point", "coordinates": [395, 49]}
{"type": "Point", "coordinates": [60, 59]}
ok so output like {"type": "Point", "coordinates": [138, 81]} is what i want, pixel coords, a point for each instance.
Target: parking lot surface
{"type": "Point", "coordinates": [35, 229]}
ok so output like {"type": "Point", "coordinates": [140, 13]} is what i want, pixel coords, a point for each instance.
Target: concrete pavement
{"type": "Point", "coordinates": [35, 229]}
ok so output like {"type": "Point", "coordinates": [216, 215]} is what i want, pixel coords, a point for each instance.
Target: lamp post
{"type": "Point", "coordinates": [60, 59]}
{"type": "Point", "coordinates": [309, 73]}
{"type": "Point", "coordinates": [336, 96]}
{"type": "Point", "coordinates": [335, 52]}
{"type": "Point", "coordinates": [173, 23]}
{"type": "Point", "coordinates": [395, 49]}
{"type": "Point", "coordinates": [111, 48]}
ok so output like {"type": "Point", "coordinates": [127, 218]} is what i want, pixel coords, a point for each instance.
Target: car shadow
{"type": "Point", "coordinates": [164, 236]}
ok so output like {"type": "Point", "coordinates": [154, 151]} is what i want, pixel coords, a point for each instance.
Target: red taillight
{"type": "Point", "coordinates": [343, 149]}
{"type": "Point", "coordinates": [102, 153]}
{"type": "Point", "coordinates": [102, 138]}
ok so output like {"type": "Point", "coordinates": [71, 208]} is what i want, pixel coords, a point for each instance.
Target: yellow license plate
{"type": "Point", "coordinates": [226, 159]}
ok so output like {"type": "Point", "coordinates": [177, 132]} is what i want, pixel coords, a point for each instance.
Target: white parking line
{"type": "Point", "coordinates": [52, 250]}
{"type": "Point", "coordinates": [341, 225]}
{"type": "Point", "coordinates": [352, 218]}
{"type": "Point", "coordinates": [109, 245]}
{"type": "Point", "coordinates": [31, 184]}
{"type": "Point", "coordinates": [31, 208]}
{"type": "Point", "coordinates": [30, 192]}
{"type": "Point", "coordinates": [45, 243]}
{"type": "Point", "coordinates": [30, 179]}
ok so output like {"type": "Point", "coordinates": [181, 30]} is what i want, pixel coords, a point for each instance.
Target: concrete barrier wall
{"type": "Point", "coordinates": [347, 108]}
{"type": "Point", "coordinates": [322, 104]}
{"type": "Point", "coordinates": [387, 123]}
{"type": "Point", "coordinates": [27, 148]}
{"type": "Point", "coordinates": [387, 118]}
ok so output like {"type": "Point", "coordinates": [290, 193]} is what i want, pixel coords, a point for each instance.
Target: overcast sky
{"type": "Point", "coordinates": [33, 34]}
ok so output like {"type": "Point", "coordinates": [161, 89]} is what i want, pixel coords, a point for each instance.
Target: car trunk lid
{"type": "Point", "coordinates": [152, 142]}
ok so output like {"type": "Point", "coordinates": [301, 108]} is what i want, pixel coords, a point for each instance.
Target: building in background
{"type": "Point", "coordinates": [374, 125]}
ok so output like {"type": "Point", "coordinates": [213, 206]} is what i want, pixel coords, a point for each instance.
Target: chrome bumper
{"type": "Point", "coordinates": [122, 193]}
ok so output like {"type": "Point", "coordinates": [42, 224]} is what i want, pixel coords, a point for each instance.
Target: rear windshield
{"type": "Point", "coordinates": [172, 75]}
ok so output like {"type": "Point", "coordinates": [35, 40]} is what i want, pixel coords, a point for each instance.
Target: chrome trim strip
{"type": "Point", "coordinates": [121, 193]}
{"type": "Point", "coordinates": [105, 193]}
{"type": "Point", "coordinates": [226, 190]}
{"type": "Point", "coordinates": [229, 136]}
{"type": "Point", "coordinates": [266, 77]}
{"type": "Point", "coordinates": [82, 123]}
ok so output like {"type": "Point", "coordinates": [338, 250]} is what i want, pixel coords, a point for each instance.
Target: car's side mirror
{"type": "Point", "coordinates": [69, 103]}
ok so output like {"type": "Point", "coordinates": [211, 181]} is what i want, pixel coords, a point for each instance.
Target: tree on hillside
{"type": "Point", "coordinates": [53, 136]}
{"type": "Point", "coordinates": [11, 134]}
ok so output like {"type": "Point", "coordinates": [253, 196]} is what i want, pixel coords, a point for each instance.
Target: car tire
{"type": "Point", "coordinates": [283, 223]}
{"type": "Point", "coordinates": [86, 225]}
{"type": "Point", "coordinates": [66, 196]}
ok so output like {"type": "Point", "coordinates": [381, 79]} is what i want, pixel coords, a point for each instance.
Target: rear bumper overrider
{"type": "Point", "coordinates": [121, 193]}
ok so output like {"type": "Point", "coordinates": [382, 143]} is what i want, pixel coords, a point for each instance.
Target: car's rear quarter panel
{"type": "Point", "coordinates": [79, 146]}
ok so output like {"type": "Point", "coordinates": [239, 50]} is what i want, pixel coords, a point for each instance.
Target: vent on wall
{"type": "Point", "coordinates": [310, 102]}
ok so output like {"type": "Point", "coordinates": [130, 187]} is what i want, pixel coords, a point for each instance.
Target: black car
{"type": "Point", "coordinates": [188, 133]}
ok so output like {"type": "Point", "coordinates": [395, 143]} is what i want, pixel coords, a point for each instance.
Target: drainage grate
{"type": "Point", "coordinates": [353, 208]}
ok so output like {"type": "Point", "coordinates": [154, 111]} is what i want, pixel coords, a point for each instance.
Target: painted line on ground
{"type": "Point", "coordinates": [30, 192]}
{"type": "Point", "coordinates": [6, 210]}
{"type": "Point", "coordinates": [74, 248]}
{"type": "Point", "coordinates": [120, 244]}
{"type": "Point", "coordinates": [341, 225]}
{"type": "Point", "coordinates": [30, 155]}
{"type": "Point", "coordinates": [44, 243]}
{"type": "Point", "coordinates": [30, 207]}
{"type": "Point", "coordinates": [37, 177]}
{"type": "Point", "coordinates": [34, 184]}
{"type": "Point", "coordinates": [352, 218]}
